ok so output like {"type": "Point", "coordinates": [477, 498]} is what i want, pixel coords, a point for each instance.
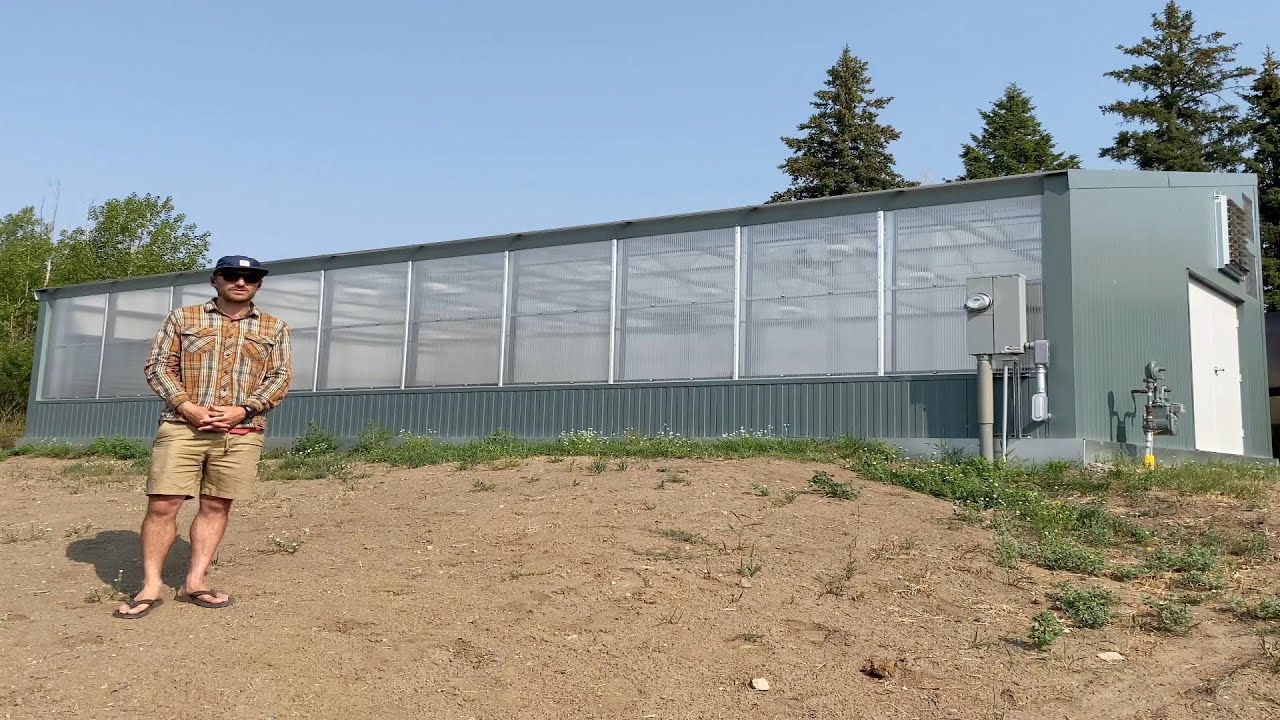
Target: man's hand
{"type": "Point", "coordinates": [195, 414]}
{"type": "Point", "coordinates": [224, 417]}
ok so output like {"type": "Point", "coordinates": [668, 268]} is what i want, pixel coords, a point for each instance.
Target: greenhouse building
{"type": "Point", "coordinates": [866, 315]}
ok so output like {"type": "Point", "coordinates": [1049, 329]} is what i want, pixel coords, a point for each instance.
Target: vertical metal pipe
{"type": "Point", "coordinates": [408, 318]}
{"type": "Point", "coordinates": [102, 345]}
{"type": "Point", "coordinates": [613, 307]}
{"type": "Point", "coordinates": [986, 408]}
{"type": "Point", "coordinates": [737, 300]}
{"type": "Point", "coordinates": [315, 375]}
{"type": "Point", "coordinates": [506, 294]}
{"type": "Point", "coordinates": [1004, 414]}
{"type": "Point", "coordinates": [880, 260]}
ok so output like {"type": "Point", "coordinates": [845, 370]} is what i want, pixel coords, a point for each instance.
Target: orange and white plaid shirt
{"type": "Point", "coordinates": [208, 358]}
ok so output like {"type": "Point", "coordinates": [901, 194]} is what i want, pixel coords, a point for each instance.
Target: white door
{"type": "Point", "coordinates": [1215, 371]}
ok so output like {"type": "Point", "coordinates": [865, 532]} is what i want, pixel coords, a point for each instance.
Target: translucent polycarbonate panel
{"type": "Point", "coordinates": [563, 347]}
{"type": "Point", "coordinates": [805, 258]}
{"type": "Point", "coordinates": [71, 371]}
{"type": "Point", "coordinates": [76, 320]}
{"type": "Point", "coordinates": [294, 298]}
{"type": "Point", "coordinates": [926, 330]}
{"type": "Point", "coordinates": [362, 296]}
{"type": "Point", "coordinates": [122, 369]}
{"type": "Point", "coordinates": [822, 335]}
{"type": "Point", "coordinates": [675, 342]}
{"type": "Point", "coordinates": [302, 343]}
{"type": "Point", "coordinates": [361, 357]}
{"type": "Point", "coordinates": [675, 306]}
{"type": "Point", "coordinates": [679, 269]}
{"type": "Point", "coordinates": [195, 294]}
{"type": "Point", "coordinates": [458, 288]}
{"type": "Point", "coordinates": [74, 347]}
{"type": "Point", "coordinates": [933, 251]}
{"type": "Point", "coordinates": [136, 314]}
{"type": "Point", "coordinates": [568, 278]}
{"type": "Point", "coordinates": [945, 245]}
{"type": "Point", "coordinates": [454, 352]}
{"type": "Point", "coordinates": [133, 320]}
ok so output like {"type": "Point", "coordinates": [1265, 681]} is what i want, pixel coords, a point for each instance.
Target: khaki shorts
{"type": "Point", "coordinates": [186, 461]}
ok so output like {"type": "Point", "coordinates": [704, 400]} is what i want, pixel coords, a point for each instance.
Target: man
{"type": "Point", "coordinates": [219, 367]}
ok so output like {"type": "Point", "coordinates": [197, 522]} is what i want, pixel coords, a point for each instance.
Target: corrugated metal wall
{"type": "Point", "coordinates": [939, 406]}
{"type": "Point", "coordinates": [1155, 231]}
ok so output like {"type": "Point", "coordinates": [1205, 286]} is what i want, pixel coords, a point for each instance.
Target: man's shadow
{"type": "Point", "coordinates": [118, 554]}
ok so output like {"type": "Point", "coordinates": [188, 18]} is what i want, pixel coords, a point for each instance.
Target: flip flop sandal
{"type": "Point", "coordinates": [151, 605]}
{"type": "Point", "coordinates": [195, 598]}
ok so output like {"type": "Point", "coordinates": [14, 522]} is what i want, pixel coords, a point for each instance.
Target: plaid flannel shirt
{"type": "Point", "coordinates": [202, 356]}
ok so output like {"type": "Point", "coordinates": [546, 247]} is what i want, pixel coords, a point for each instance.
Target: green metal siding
{"type": "Point", "coordinates": [940, 406]}
{"type": "Point", "coordinates": [1135, 241]}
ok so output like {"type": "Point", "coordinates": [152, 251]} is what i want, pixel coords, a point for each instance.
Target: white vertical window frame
{"type": "Point", "coordinates": [881, 259]}
{"type": "Point", "coordinates": [506, 314]}
{"type": "Point", "coordinates": [613, 307]}
{"type": "Point", "coordinates": [737, 300]}
{"type": "Point", "coordinates": [408, 316]}
{"type": "Point", "coordinates": [1221, 229]}
{"type": "Point", "coordinates": [315, 376]}
{"type": "Point", "coordinates": [102, 345]}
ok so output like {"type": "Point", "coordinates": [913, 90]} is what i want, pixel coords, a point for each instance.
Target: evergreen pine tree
{"type": "Point", "coordinates": [1263, 122]}
{"type": "Point", "coordinates": [1190, 127]}
{"type": "Point", "coordinates": [1012, 142]}
{"type": "Point", "coordinates": [843, 147]}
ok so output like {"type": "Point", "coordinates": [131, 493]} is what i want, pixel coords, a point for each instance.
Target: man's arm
{"type": "Point", "coordinates": [163, 369]}
{"type": "Point", "coordinates": [278, 377]}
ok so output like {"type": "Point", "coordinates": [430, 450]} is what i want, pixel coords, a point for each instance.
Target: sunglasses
{"type": "Point", "coordinates": [251, 278]}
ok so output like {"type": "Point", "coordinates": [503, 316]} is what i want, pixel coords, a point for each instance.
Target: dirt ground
{"type": "Point", "coordinates": [539, 589]}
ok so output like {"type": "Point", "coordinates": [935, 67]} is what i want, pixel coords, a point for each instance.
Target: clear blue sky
{"type": "Point", "coordinates": [298, 128]}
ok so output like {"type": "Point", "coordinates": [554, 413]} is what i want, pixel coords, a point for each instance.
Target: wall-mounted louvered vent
{"type": "Point", "coordinates": [1235, 233]}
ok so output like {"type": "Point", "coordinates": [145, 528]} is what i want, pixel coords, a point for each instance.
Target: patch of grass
{"type": "Point", "coordinates": [598, 466]}
{"type": "Point", "coordinates": [482, 486]}
{"type": "Point", "coordinates": [1059, 553]}
{"type": "Point", "coordinates": [748, 565]}
{"type": "Point", "coordinates": [12, 426]}
{"type": "Point", "coordinates": [1169, 616]}
{"type": "Point", "coordinates": [1200, 580]}
{"type": "Point", "coordinates": [788, 497]}
{"type": "Point", "coordinates": [1087, 607]}
{"type": "Point", "coordinates": [826, 485]}
{"type": "Point", "coordinates": [120, 448]}
{"type": "Point", "coordinates": [761, 490]}
{"type": "Point", "coordinates": [968, 514]}
{"type": "Point", "coordinates": [1008, 551]}
{"type": "Point", "coordinates": [23, 533]}
{"type": "Point", "coordinates": [682, 536]}
{"type": "Point", "coordinates": [1045, 630]}
{"type": "Point", "coordinates": [375, 439]}
{"type": "Point", "coordinates": [1193, 558]}
{"type": "Point", "coordinates": [304, 467]}
{"type": "Point", "coordinates": [50, 450]}
{"type": "Point", "coordinates": [108, 593]}
{"type": "Point", "coordinates": [836, 584]}
{"type": "Point", "coordinates": [283, 544]}
{"type": "Point", "coordinates": [1268, 608]}
{"type": "Point", "coordinates": [671, 477]}
{"type": "Point", "coordinates": [78, 529]}
{"type": "Point", "coordinates": [315, 440]}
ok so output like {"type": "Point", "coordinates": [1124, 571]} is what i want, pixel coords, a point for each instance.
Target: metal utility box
{"type": "Point", "coordinates": [997, 314]}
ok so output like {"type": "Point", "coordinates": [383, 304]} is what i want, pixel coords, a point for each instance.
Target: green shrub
{"type": "Point", "coordinates": [315, 440]}
{"type": "Point", "coordinates": [120, 448]}
{"type": "Point", "coordinates": [1059, 553]}
{"type": "Point", "coordinates": [1087, 607]}
{"type": "Point", "coordinates": [830, 487]}
{"type": "Point", "coordinates": [1045, 630]}
{"type": "Point", "coordinates": [372, 440]}
{"type": "Point", "coordinates": [1170, 616]}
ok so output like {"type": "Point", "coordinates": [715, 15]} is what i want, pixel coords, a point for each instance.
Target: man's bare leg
{"type": "Point", "coordinates": [206, 534]}
{"type": "Point", "coordinates": [159, 529]}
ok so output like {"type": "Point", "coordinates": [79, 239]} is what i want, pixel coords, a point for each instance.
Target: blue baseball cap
{"type": "Point", "coordinates": [239, 262]}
